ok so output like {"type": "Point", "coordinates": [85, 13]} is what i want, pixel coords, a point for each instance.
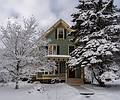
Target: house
{"type": "Point", "coordinates": [59, 48]}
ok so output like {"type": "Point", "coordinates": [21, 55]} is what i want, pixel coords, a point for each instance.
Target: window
{"type": "Point", "coordinates": [70, 49]}
{"type": "Point", "coordinates": [52, 49]}
{"type": "Point", "coordinates": [60, 33]}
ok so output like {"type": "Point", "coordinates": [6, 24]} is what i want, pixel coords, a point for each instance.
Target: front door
{"type": "Point", "coordinates": [71, 73]}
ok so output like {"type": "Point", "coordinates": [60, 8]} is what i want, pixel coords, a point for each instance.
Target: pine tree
{"type": "Point", "coordinates": [96, 36]}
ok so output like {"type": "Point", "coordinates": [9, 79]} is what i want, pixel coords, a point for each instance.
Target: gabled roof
{"type": "Point", "coordinates": [61, 21]}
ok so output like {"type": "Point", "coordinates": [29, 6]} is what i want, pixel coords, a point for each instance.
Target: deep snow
{"type": "Point", "coordinates": [60, 91]}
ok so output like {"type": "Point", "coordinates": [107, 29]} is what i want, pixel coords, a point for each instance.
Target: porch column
{"type": "Point", "coordinates": [66, 73]}
{"type": "Point", "coordinates": [54, 71]}
{"type": "Point", "coordinates": [82, 74]}
{"type": "Point", "coordinates": [59, 69]}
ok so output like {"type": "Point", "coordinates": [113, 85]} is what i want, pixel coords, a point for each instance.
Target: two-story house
{"type": "Point", "coordinates": [59, 48]}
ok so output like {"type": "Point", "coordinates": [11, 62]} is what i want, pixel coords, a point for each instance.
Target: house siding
{"type": "Point", "coordinates": [63, 44]}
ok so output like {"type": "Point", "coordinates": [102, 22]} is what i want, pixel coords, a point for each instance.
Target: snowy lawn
{"type": "Point", "coordinates": [110, 92]}
{"type": "Point", "coordinates": [38, 92]}
{"type": "Point", "coordinates": [60, 91]}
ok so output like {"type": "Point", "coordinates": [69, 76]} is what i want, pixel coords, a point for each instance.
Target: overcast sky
{"type": "Point", "coordinates": [46, 11]}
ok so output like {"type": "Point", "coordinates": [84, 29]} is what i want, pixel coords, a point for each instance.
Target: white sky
{"type": "Point", "coordinates": [46, 11]}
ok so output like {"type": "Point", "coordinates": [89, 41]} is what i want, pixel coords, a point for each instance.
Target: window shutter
{"type": "Point", "coordinates": [55, 33]}
{"type": "Point", "coordinates": [58, 49]}
{"type": "Point", "coordinates": [46, 47]}
{"type": "Point", "coordinates": [71, 49]}
{"type": "Point", "coordinates": [65, 33]}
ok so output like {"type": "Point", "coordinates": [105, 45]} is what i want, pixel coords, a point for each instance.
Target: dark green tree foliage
{"type": "Point", "coordinates": [96, 36]}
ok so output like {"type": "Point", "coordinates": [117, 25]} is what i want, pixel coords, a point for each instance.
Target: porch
{"type": "Point", "coordinates": [74, 77]}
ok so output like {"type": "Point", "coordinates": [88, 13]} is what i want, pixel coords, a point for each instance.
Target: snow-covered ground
{"type": "Point", "coordinates": [60, 91]}
{"type": "Point", "coordinates": [38, 92]}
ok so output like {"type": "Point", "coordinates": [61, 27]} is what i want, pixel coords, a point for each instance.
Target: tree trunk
{"type": "Point", "coordinates": [17, 84]}
{"type": "Point", "coordinates": [17, 78]}
{"type": "Point", "coordinates": [101, 84]}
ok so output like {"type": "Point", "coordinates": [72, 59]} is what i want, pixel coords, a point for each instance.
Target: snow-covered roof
{"type": "Point", "coordinates": [58, 56]}
{"type": "Point", "coordinates": [56, 24]}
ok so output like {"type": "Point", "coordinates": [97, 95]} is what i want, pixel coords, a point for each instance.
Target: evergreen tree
{"type": "Point", "coordinates": [96, 36]}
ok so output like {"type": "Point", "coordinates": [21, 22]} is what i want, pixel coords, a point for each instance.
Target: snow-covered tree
{"type": "Point", "coordinates": [40, 53]}
{"type": "Point", "coordinates": [5, 76]}
{"type": "Point", "coordinates": [20, 39]}
{"type": "Point", "coordinates": [96, 35]}
{"type": "Point", "coordinates": [24, 49]}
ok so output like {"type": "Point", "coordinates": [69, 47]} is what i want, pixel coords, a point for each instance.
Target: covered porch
{"type": "Point", "coordinates": [73, 77]}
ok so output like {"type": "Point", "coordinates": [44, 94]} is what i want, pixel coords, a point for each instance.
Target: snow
{"type": "Point", "coordinates": [24, 48]}
{"type": "Point", "coordinates": [109, 75]}
{"type": "Point", "coordinates": [58, 56]}
{"type": "Point", "coordinates": [100, 93]}
{"type": "Point", "coordinates": [93, 60]}
{"type": "Point", "coordinates": [38, 92]}
{"type": "Point", "coordinates": [73, 61]}
{"type": "Point", "coordinates": [60, 91]}
{"type": "Point", "coordinates": [108, 53]}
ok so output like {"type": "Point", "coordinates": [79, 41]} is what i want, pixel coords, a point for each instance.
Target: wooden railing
{"type": "Point", "coordinates": [44, 76]}
{"type": "Point", "coordinates": [50, 76]}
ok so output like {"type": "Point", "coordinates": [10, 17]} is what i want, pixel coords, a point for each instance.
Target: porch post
{"type": "Point", "coordinates": [66, 73]}
{"type": "Point", "coordinates": [82, 74]}
{"type": "Point", "coordinates": [59, 69]}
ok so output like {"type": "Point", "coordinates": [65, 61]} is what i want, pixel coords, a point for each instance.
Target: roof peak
{"type": "Point", "coordinates": [56, 24]}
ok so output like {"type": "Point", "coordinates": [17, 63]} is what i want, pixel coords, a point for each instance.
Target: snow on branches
{"type": "Point", "coordinates": [96, 36]}
{"type": "Point", "coordinates": [20, 40]}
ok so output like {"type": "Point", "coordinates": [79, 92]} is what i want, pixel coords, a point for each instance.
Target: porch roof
{"type": "Point", "coordinates": [58, 56]}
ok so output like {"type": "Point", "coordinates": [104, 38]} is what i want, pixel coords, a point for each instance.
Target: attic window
{"type": "Point", "coordinates": [60, 33]}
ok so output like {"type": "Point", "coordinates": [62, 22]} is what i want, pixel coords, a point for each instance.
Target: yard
{"type": "Point", "coordinates": [60, 91]}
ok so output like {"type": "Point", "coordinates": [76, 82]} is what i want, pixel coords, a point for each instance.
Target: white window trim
{"type": "Point", "coordinates": [58, 33]}
{"type": "Point", "coordinates": [52, 48]}
{"type": "Point", "coordinates": [68, 48]}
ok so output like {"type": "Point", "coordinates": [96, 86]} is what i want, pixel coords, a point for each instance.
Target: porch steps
{"type": "Point", "coordinates": [74, 81]}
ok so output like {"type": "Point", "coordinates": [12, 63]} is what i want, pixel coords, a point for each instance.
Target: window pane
{"type": "Point", "coordinates": [50, 50]}
{"type": "Point", "coordinates": [54, 50]}
{"type": "Point", "coordinates": [58, 49]}
{"type": "Point", "coordinates": [60, 34]}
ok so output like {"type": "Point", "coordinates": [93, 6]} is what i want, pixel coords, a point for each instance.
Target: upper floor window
{"type": "Point", "coordinates": [60, 33]}
{"type": "Point", "coordinates": [53, 49]}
